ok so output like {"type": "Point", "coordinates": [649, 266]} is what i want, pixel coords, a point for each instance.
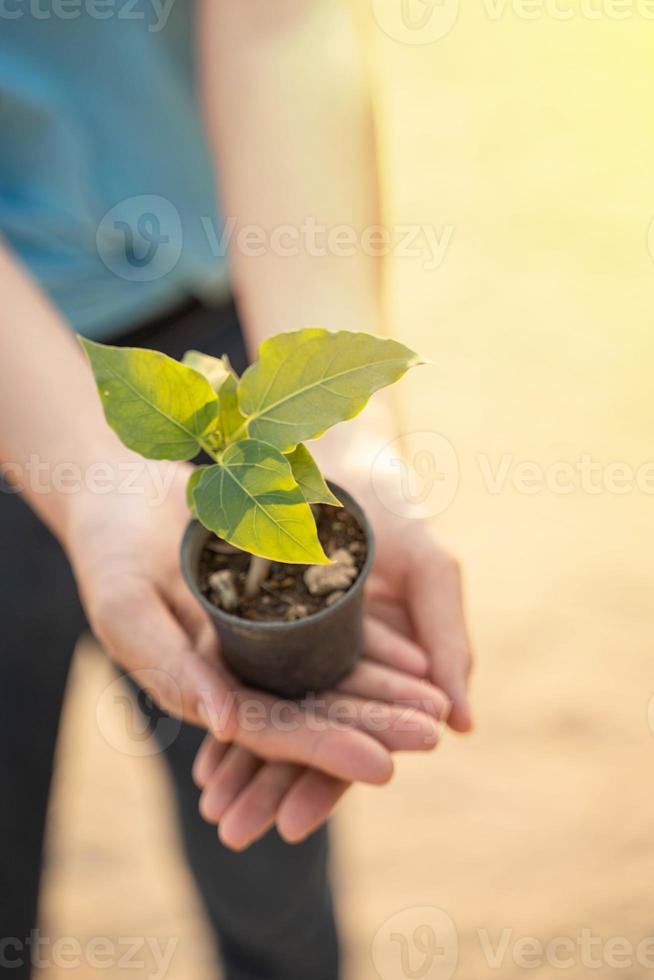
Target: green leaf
{"type": "Point", "coordinates": [251, 499]}
{"type": "Point", "coordinates": [214, 369]}
{"type": "Point", "coordinates": [231, 418]}
{"type": "Point", "coordinates": [192, 483]}
{"type": "Point", "coordinates": [309, 477]}
{"type": "Point", "coordinates": [307, 381]}
{"type": "Point", "coordinates": [224, 381]}
{"type": "Point", "coordinates": [157, 407]}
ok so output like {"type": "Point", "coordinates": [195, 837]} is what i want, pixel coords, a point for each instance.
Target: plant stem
{"type": "Point", "coordinates": [213, 453]}
{"type": "Point", "coordinates": [240, 433]}
{"type": "Point", "coordinates": [257, 571]}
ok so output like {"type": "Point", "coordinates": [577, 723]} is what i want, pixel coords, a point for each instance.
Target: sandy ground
{"type": "Point", "coordinates": [530, 139]}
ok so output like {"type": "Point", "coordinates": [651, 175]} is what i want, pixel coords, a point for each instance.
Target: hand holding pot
{"type": "Point", "coordinates": [246, 796]}
{"type": "Point", "coordinates": [415, 633]}
{"type": "Point", "coordinates": [415, 586]}
{"type": "Point", "coordinates": [124, 550]}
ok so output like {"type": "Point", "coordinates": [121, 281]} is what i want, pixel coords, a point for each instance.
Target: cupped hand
{"type": "Point", "coordinates": [415, 589]}
{"type": "Point", "coordinates": [245, 796]}
{"type": "Point", "coordinates": [415, 634]}
{"type": "Point", "coordinates": [124, 548]}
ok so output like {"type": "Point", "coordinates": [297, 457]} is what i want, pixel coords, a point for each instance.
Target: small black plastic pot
{"type": "Point", "coordinates": [290, 659]}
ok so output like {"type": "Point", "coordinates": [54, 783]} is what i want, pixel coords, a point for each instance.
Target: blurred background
{"type": "Point", "coordinates": [520, 133]}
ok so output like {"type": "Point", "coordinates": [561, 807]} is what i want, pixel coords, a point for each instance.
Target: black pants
{"type": "Point", "coordinates": [270, 906]}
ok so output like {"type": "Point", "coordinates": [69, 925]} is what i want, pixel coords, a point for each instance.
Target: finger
{"type": "Point", "coordinates": [144, 637]}
{"type": "Point", "coordinates": [381, 683]}
{"type": "Point", "coordinates": [307, 805]}
{"type": "Point", "coordinates": [232, 775]}
{"type": "Point", "coordinates": [207, 760]}
{"type": "Point", "coordinates": [285, 731]}
{"type": "Point", "coordinates": [389, 647]}
{"type": "Point", "coordinates": [381, 603]}
{"type": "Point", "coordinates": [253, 811]}
{"type": "Point", "coordinates": [207, 644]}
{"type": "Point", "coordinates": [435, 599]}
{"type": "Point", "coordinates": [187, 610]}
{"type": "Point", "coordinates": [398, 729]}
{"type": "Point", "coordinates": [141, 634]}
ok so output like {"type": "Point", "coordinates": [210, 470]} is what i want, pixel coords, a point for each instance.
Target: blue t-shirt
{"type": "Point", "coordinates": [106, 182]}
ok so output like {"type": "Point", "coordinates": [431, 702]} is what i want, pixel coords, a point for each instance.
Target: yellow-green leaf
{"type": "Point", "coordinates": [306, 381]}
{"type": "Point", "coordinates": [231, 419]}
{"type": "Point", "coordinates": [192, 483]}
{"type": "Point", "coordinates": [224, 381]}
{"type": "Point", "coordinates": [157, 406]}
{"type": "Point", "coordinates": [251, 499]}
{"type": "Point", "coordinates": [214, 369]}
{"type": "Point", "coordinates": [309, 478]}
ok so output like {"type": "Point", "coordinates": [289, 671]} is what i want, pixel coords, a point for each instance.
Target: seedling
{"type": "Point", "coordinates": [257, 492]}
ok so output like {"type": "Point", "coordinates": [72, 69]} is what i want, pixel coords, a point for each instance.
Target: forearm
{"type": "Point", "coordinates": [52, 429]}
{"type": "Point", "coordinates": [289, 116]}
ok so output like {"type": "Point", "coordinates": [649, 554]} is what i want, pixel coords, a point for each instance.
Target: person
{"type": "Point", "coordinates": [119, 123]}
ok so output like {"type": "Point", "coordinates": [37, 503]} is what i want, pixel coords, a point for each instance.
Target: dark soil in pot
{"type": "Point", "coordinates": [289, 592]}
{"type": "Point", "coordinates": [303, 629]}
